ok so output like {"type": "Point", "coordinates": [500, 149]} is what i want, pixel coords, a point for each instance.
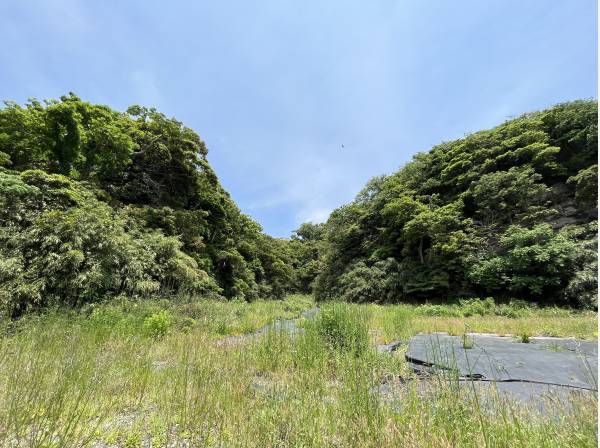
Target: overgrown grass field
{"type": "Point", "coordinates": [169, 373]}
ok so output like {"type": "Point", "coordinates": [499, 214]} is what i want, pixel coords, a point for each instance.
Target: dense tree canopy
{"type": "Point", "coordinates": [508, 212]}
{"type": "Point", "coordinates": [95, 203]}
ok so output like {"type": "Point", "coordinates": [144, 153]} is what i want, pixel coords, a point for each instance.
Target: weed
{"type": "Point", "coordinates": [157, 325]}
{"type": "Point", "coordinates": [467, 341]}
{"type": "Point", "coordinates": [524, 337]}
{"type": "Point", "coordinates": [343, 327]}
{"type": "Point", "coordinates": [477, 307]}
{"type": "Point", "coordinates": [132, 440]}
{"type": "Point", "coordinates": [95, 378]}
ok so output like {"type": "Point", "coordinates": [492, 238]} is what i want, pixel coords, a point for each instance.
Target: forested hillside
{"type": "Point", "coordinates": [96, 203]}
{"type": "Point", "coordinates": [509, 212]}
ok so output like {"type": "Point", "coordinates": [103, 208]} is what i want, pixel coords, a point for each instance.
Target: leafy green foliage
{"type": "Point", "coordinates": [504, 197]}
{"type": "Point", "coordinates": [482, 215]}
{"type": "Point", "coordinates": [97, 202]}
{"type": "Point", "coordinates": [477, 307]}
{"type": "Point", "coordinates": [306, 247]}
{"type": "Point", "coordinates": [157, 325]}
{"type": "Point", "coordinates": [530, 262]}
{"type": "Point", "coordinates": [60, 245]}
{"type": "Point", "coordinates": [586, 184]}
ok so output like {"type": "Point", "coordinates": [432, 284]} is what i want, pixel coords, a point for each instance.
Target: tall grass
{"type": "Point", "coordinates": [393, 322]}
{"type": "Point", "coordinates": [100, 378]}
{"type": "Point", "coordinates": [342, 327]}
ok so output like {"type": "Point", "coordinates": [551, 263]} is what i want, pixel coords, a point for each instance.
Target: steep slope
{"type": "Point", "coordinates": [510, 211]}
{"type": "Point", "coordinates": [95, 202]}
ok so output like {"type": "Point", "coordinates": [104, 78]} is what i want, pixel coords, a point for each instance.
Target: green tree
{"type": "Point", "coordinates": [153, 175]}
{"type": "Point", "coordinates": [441, 217]}
{"type": "Point", "coordinates": [586, 187]}
{"type": "Point", "coordinates": [509, 196]}
{"type": "Point", "coordinates": [531, 262]}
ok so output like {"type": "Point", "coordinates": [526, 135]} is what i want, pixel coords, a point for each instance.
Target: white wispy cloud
{"type": "Point", "coordinates": [275, 88]}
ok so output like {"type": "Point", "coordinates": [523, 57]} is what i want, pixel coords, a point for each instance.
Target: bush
{"type": "Point", "coordinates": [477, 307]}
{"type": "Point", "coordinates": [582, 288]}
{"type": "Point", "coordinates": [157, 325]}
{"type": "Point", "coordinates": [508, 311]}
{"type": "Point", "coordinates": [531, 262]}
{"type": "Point", "coordinates": [365, 283]}
{"type": "Point", "coordinates": [586, 187]}
{"type": "Point", "coordinates": [343, 328]}
{"type": "Point", "coordinates": [438, 310]}
{"type": "Point", "coordinates": [59, 245]}
{"type": "Point", "coordinates": [186, 324]}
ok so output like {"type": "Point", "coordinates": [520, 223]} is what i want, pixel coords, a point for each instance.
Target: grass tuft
{"type": "Point", "coordinates": [180, 373]}
{"type": "Point", "coordinates": [343, 327]}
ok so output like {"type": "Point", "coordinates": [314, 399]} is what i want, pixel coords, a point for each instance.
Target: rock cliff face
{"type": "Point", "coordinates": [568, 212]}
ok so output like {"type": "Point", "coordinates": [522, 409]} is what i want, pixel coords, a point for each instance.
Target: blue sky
{"type": "Point", "coordinates": [275, 87]}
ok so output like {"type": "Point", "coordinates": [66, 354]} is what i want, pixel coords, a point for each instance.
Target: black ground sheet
{"type": "Point", "coordinates": [525, 371]}
{"type": "Point", "coordinates": [544, 373]}
{"type": "Point", "coordinates": [563, 362]}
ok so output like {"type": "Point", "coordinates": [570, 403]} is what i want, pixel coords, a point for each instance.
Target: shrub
{"type": "Point", "coordinates": [582, 288]}
{"type": "Point", "coordinates": [477, 307]}
{"type": "Point", "coordinates": [157, 325]}
{"type": "Point", "coordinates": [530, 262]}
{"type": "Point", "coordinates": [586, 187]}
{"type": "Point", "coordinates": [365, 283]}
{"type": "Point", "coordinates": [186, 324]}
{"type": "Point", "coordinates": [438, 310]}
{"type": "Point", "coordinates": [508, 311]}
{"type": "Point", "coordinates": [524, 337]}
{"type": "Point", "coordinates": [59, 245]}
